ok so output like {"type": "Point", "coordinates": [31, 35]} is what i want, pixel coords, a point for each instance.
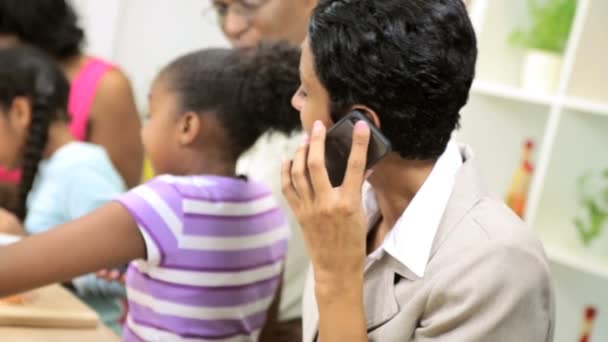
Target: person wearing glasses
{"type": "Point", "coordinates": [246, 23]}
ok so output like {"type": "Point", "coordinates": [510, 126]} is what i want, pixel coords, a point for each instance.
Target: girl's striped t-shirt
{"type": "Point", "coordinates": [215, 249]}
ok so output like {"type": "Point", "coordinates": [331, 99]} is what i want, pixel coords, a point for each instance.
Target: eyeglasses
{"type": "Point", "coordinates": [243, 8]}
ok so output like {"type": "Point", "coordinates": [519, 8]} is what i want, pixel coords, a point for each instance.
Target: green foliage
{"type": "Point", "coordinates": [551, 21]}
{"type": "Point", "coordinates": [597, 218]}
{"type": "Point", "coordinates": [594, 205]}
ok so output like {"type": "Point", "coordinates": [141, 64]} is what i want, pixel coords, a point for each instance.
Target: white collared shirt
{"type": "Point", "coordinates": [411, 239]}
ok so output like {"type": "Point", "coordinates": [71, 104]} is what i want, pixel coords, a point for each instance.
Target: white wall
{"type": "Point", "coordinates": [141, 36]}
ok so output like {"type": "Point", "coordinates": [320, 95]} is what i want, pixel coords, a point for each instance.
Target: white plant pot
{"type": "Point", "coordinates": [541, 71]}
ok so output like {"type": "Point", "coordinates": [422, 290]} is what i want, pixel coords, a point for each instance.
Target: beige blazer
{"type": "Point", "coordinates": [487, 279]}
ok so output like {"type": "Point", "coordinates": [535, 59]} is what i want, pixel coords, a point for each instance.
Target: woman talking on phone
{"type": "Point", "coordinates": [423, 253]}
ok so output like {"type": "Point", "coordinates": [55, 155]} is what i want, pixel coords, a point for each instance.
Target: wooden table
{"type": "Point", "coordinates": [52, 314]}
{"type": "Point", "coordinates": [99, 334]}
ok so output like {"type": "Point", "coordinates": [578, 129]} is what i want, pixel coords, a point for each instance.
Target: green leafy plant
{"type": "Point", "coordinates": [593, 196]}
{"type": "Point", "coordinates": [551, 21]}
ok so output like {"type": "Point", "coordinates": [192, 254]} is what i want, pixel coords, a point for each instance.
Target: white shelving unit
{"type": "Point", "coordinates": [570, 129]}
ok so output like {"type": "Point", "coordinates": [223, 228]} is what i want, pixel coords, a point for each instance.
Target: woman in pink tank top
{"type": "Point", "coordinates": [82, 93]}
{"type": "Point", "coordinates": [101, 101]}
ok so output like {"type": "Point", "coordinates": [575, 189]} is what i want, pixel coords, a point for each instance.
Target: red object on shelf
{"type": "Point", "coordinates": [520, 184]}
{"type": "Point", "coordinates": [589, 319]}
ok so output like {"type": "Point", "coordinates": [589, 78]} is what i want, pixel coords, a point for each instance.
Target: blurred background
{"type": "Point", "coordinates": [537, 118]}
{"type": "Point", "coordinates": [141, 36]}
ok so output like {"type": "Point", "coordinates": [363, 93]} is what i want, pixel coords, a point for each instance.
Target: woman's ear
{"type": "Point", "coordinates": [370, 113]}
{"type": "Point", "coordinates": [20, 113]}
{"type": "Point", "coordinates": [189, 127]}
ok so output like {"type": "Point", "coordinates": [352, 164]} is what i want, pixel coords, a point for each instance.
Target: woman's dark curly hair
{"type": "Point", "coordinates": [249, 90]}
{"type": "Point", "coordinates": [50, 25]}
{"type": "Point", "coordinates": [26, 72]}
{"type": "Point", "coordinates": [412, 62]}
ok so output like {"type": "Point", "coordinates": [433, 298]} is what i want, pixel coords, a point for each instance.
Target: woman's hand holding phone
{"type": "Point", "coordinates": [332, 218]}
{"type": "Point", "coordinates": [334, 228]}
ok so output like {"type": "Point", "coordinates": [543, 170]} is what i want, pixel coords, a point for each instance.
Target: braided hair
{"type": "Point", "coordinates": [26, 72]}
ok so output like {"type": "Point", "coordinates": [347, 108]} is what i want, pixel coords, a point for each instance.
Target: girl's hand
{"type": "Point", "coordinates": [9, 223]}
{"type": "Point", "coordinates": [332, 219]}
{"type": "Point", "coordinates": [108, 236]}
{"type": "Point", "coordinates": [111, 275]}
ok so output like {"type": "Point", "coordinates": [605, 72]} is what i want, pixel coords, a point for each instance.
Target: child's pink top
{"type": "Point", "coordinates": [82, 94]}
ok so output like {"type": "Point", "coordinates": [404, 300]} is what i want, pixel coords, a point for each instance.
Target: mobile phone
{"type": "Point", "coordinates": [339, 141]}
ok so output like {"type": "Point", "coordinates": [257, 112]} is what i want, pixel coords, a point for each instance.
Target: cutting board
{"type": "Point", "coordinates": [20, 334]}
{"type": "Point", "coordinates": [49, 307]}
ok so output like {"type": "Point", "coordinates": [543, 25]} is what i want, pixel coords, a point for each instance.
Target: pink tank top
{"type": "Point", "coordinates": [82, 94]}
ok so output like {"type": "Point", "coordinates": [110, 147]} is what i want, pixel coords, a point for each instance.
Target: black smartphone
{"type": "Point", "coordinates": [339, 141]}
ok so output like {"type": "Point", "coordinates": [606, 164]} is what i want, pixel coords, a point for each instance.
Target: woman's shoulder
{"type": "Point", "coordinates": [113, 102]}
{"type": "Point", "coordinates": [113, 81]}
{"type": "Point", "coordinates": [107, 80]}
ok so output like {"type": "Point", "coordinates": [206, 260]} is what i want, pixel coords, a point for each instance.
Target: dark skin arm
{"type": "Point", "coordinates": [115, 125]}
{"type": "Point", "coordinates": [105, 238]}
{"type": "Point", "coordinates": [333, 226]}
{"type": "Point", "coordinates": [272, 319]}
{"type": "Point", "coordinates": [8, 195]}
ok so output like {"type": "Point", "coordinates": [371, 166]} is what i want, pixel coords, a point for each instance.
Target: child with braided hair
{"type": "Point", "coordinates": [62, 179]}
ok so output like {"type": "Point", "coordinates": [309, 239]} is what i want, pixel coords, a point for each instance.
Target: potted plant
{"type": "Point", "coordinates": [592, 223]}
{"type": "Point", "coordinates": [545, 41]}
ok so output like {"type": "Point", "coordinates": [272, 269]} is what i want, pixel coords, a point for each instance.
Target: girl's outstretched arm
{"type": "Point", "coordinates": [106, 238]}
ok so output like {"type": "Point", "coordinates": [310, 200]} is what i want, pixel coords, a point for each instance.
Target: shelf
{"type": "Point", "coordinates": [581, 263]}
{"type": "Point", "coordinates": [569, 128]}
{"type": "Point", "coordinates": [511, 93]}
{"type": "Point", "coordinates": [579, 149]}
{"type": "Point", "coordinates": [588, 106]}
{"type": "Point", "coordinates": [588, 75]}
{"type": "Point", "coordinates": [501, 124]}
{"type": "Point", "coordinates": [498, 60]}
